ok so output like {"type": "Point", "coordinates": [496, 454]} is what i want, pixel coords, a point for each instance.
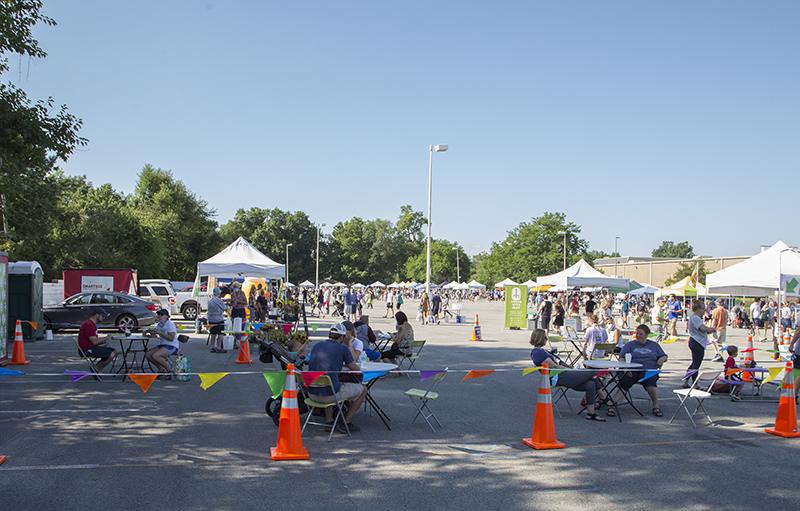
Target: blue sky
{"type": "Point", "coordinates": [649, 121]}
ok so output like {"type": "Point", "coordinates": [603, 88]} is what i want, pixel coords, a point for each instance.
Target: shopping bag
{"type": "Point", "coordinates": [181, 369]}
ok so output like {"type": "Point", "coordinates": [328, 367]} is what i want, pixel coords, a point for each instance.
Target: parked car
{"type": "Point", "coordinates": [189, 305]}
{"type": "Point", "coordinates": [160, 292]}
{"type": "Point", "coordinates": [125, 311]}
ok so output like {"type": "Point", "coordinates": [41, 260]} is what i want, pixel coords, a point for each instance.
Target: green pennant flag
{"type": "Point", "coordinates": [314, 327]}
{"type": "Point", "coordinates": [276, 381]}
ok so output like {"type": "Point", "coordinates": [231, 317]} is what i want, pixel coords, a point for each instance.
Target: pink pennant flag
{"type": "Point", "coordinates": [475, 374]}
{"type": "Point", "coordinates": [286, 329]}
{"type": "Point", "coordinates": [602, 373]}
{"type": "Point", "coordinates": [750, 350]}
{"type": "Point", "coordinates": [310, 376]}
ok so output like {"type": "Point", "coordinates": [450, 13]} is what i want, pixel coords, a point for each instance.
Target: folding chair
{"type": "Point", "coordinates": [559, 346]}
{"type": "Point", "coordinates": [416, 347]}
{"type": "Point", "coordinates": [424, 396]}
{"type": "Point", "coordinates": [704, 381]}
{"type": "Point", "coordinates": [607, 347]}
{"type": "Point", "coordinates": [323, 382]}
{"type": "Point", "coordinates": [82, 354]}
{"type": "Point", "coordinates": [560, 393]}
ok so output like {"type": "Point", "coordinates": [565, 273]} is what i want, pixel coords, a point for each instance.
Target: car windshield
{"type": "Point", "coordinates": [81, 299]}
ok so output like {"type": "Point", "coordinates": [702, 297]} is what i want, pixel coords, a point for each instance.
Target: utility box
{"type": "Point", "coordinates": [25, 279]}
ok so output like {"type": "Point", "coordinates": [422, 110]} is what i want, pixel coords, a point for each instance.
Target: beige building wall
{"type": "Point", "coordinates": [656, 272]}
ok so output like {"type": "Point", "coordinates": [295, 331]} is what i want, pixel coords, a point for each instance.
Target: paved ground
{"type": "Point", "coordinates": [109, 445]}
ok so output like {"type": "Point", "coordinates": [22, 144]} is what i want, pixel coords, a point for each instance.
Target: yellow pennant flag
{"type": "Point", "coordinates": [773, 373]}
{"type": "Point", "coordinates": [209, 379]}
{"type": "Point", "coordinates": [181, 328]}
{"type": "Point", "coordinates": [143, 380]}
{"type": "Point", "coordinates": [530, 370]}
{"type": "Point", "coordinates": [671, 340]}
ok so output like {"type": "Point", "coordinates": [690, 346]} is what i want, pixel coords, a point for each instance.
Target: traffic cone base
{"type": "Point", "coordinates": [544, 432]}
{"type": "Point", "coordinates": [290, 440]}
{"type": "Point", "coordinates": [18, 357]}
{"type": "Point", "coordinates": [786, 420]}
{"type": "Point", "coordinates": [244, 353]}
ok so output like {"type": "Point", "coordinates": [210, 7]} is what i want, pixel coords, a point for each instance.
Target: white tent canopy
{"type": "Point", "coordinates": [506, 282]}
{"type": "Point", "coordinates": [758, 276]}
{"type": "Point", "coordinates": [306, 283]}
{"type": "Point", "coordinates": [377, 283]}
{"type": "Point", "coordinates": [475, 285]}
{"type": "Point", "coordinates": [240, 259]}
{"type": "Point", "coordinates": [358, 285]}
{"type": "Point", "coordinates": [581, 274]}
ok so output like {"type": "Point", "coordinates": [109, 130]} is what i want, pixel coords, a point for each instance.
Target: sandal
{"type": "Point", "coordinates": [594, 417]}
{"type": "Point", "coordinates": [657, 412]}
{"type": "Point", "coordinates": [612, 411]}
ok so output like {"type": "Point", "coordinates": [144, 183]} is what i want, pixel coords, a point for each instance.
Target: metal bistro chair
{"type": "Point", "coordinates": [561, 347]}
{"type": "Point", "coordinates": [424, 396]}
{"type": "Point", "coordinates": [89, 360]}
{"type": "Point", "coordinates": [700, 390]}
{"type": "Point", "coordinates": [322, 382]}
{"type": "Point", "coordinates": [416, 347]}
{"type": "Point", "coordinates": [608, 348]}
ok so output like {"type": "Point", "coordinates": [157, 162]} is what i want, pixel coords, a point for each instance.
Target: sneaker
{"type": "Point", "coordinates": [352, 427]}
{"type": "Point", "coordinates": [686, 384]}
{"type": "Point", "coordinates": [718, 358]}
{"type": "Point", "coordinates": [736, 397]}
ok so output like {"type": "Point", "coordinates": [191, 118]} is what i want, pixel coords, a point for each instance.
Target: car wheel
{"type": "Point", "coordinates": [126, 321]}
{"type": "Point", "coordinates": [49, 325]}
{"type": "Point", "coordinates": [190, 312]}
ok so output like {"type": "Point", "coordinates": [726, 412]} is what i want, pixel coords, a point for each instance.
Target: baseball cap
{"type": "Point", "coordinates": [162, 311]}
{"type": "Point", "coordinates": [348, 325]}
{"type": "Point", "coordinates": [99, 310]}
{"type": "Point", "coordinates": [338, 328]}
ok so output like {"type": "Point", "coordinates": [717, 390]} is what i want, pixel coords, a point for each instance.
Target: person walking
{"type": "Point", "coordinates": [719, 322]}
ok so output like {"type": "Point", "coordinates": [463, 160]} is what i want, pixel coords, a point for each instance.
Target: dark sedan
{"type": "Point", "coordinates": [125, 311]}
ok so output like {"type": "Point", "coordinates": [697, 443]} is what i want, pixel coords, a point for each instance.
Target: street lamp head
{"type": "Point", "coordinates": [440, 148]}
{"type": "Point", "coordinates": [288, 245]}
{"type": "Point", "coordinates": [562, 232]}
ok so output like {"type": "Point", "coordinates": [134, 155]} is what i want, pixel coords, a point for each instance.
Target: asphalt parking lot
{"type": "Point", "coordinates": [108, 444]}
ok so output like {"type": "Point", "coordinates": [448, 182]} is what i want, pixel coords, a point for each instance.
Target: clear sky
{"type": "Point", "coordinates": [649, 121]}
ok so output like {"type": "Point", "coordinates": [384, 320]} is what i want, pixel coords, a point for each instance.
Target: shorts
{"type": "Point", "coordinates": [347, 391]}
{"type": "Point", "coordinates": [217, 328]}
{"type": "Point", "coordinates": [757, 322]}
{"type": "Point", "coordinates": [170, 348]}
{"type": "Point", "coordinates": [351, 309]}
{"type": "Point", "coordinates": [786, 323]}
{"type": "Point", "coordinates": [627, 382]}
{"type": "Point", "coordinates": [101, 352]}
{"type": "Point", "coordinates": [239, 313]}
{"type": "Point", "coordinates": [389, 305]}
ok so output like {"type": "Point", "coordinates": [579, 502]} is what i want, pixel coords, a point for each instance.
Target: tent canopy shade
{"type": "Point", "coordinates": [581, 274]}
{"type": "Point", "coordinates": [758, 276]}
{"type": "Point", "coordinates": [240, 259]}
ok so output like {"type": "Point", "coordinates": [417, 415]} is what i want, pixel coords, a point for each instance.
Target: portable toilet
{"type": "Point", "coordinates": [25, 280]}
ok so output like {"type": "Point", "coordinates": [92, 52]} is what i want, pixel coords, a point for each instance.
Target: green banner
{"type": "Point", "coordinates": [516, 306]}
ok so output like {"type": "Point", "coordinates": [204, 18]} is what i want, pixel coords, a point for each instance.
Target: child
{"type": "Point", "coordinates": [730, 363]}
{"type": "Point", "coordinates": [296, 349]}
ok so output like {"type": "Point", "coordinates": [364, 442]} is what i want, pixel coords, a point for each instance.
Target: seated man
{"type": "Point", "coordinates": [651, 356]}
{"type": "Point", "coordinates": [329, 356]}
{"type": "Point", "coordinates": [92, 344]}
{"type": "Point", "coordinates": [167, 334]}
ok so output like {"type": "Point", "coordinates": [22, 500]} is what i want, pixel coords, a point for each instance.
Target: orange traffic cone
{"type": "Point", "coordinates": [290, 440]}
{"type": "Point", "coordinates": [476, 330]}
{"type": "Point", "coordinates": [786, 421]}
{"type": "Point", "coordinates": [244, 352]}
{"type": "Point", "coordinates": [2, 459]}
{"type": "Point", "coordinates": [749, 360]}
{"type": "Point", "coordinates": [18, 358]}
{"type": "Point", "coordinates": [544, 432]}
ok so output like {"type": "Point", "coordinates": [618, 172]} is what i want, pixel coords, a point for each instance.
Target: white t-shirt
{"type": "Point", "coordinates": [167, 327]}
{"type": "Point", "coordinates": [755, 310]}
{"type": "Point", "coordinates": [595, 335]}
{"type": "Point", "coordinates": [695, 322]}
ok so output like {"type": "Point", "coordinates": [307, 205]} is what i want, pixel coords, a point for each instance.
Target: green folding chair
{"type": "Point", "coordinates": [421, 398]}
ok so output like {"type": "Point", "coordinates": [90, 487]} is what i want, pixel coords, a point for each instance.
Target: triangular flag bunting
{"type": "Point", "coordinates": [475, 374]}
{"type": "Point", "coordinates": [556, 372]}
{"type": "Point", "coordinates": [276, 381]}
{"type": "Point", "coordinates": [4, 371]}
{"type": "Point", "coordinates": [143, 380]}
{"type": "Point", "coordinates": [750, 350]}
{"type": "Point", "coordinates": [773, 373]}
{"type": "Point", "coordinates": [33, 324]}
{"type": "Point", "coordinates": [77, 375]}
{"type": "Point", "coordinates": [733, 371]}
{"type": "Point", "coordinates": [371, 375]}
{"type": "Point", "coordinates": [257, 326]}
{"type": "Point", "coordinates": [424, 375]}
{"type": "Point", "coordinates": [209, 379]}
{"type": "Point", "coordinates": [314, 327]}
{"type": "Point", "coordinates": [649, 374]}
{"type": "Point", "coordinates": [310, 376]}
{"type": "Point", "coordinates": [602, 373]}
{"type": "Point", "coordinates": [286, 329]}
{"type": "Point", "coordinates": [670, 341]}
{"type": "Point", "coordinates": [530, 370]}
{"type": "Point", "coordinates": [651, 336]}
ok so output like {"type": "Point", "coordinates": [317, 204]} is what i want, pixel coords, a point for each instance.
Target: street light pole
{"type": "Point", "coordinates": [458, 266]}
{"type": "Point", "coordinates": [439, 148]}
{"type": "Point", "coordinates": [565, 247]}
{"type": "Point", "coordinates": [616, 255]}
{"type": "Point", "coordinates": [316, 282]}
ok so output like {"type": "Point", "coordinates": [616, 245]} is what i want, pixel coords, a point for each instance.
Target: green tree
{"type": "Point", "coordinates": [532, 249]}
{"type": "Point", "coordinates": [680, 250]}
{"type": "Point", "coordinates": [443, 263]}
{"type": "Point", "coordinates": [32, 137]}
{"type": "Point", "coordinates": [182, 222]}
{"type": "Point", "coordinates": [410, 224]}
{"type": "Point", "coordinates": [283, 227]}
{"type": "Point", "coordinates": [685, 269]}
{"type": "Point", "coordinates": [245, 223]}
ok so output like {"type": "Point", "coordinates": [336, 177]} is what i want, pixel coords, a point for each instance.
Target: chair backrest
{"type": "Point", "coordinates": [436, 380]}
{"type": "Point", "coordinates": [608, 348]}
{"type": "Point", "coordinates": [705, 379]}
{"type": "Point", "coordinates": [321, 382]}
{"type": "Point", "coordinates": [183, 338]}
{"type": "Point", "coordinates": [571, 332]}
{"type": "Point", "coordinates": [416, 346]}
{"type": "Point", "coordinates": [80, 350]}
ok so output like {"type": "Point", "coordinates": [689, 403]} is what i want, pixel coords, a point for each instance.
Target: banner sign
{"type": "Point", "coordinates": [516, 307]}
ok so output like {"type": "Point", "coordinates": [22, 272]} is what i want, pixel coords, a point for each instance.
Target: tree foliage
{"type": "Point", "coordinates": [685, 269]}
{"type": "Point", "coordinates": [680, 250]}
{"type": "Point", "coordinates": [532, 249]}
{"type": "Point", "coordinates": [444, 266]}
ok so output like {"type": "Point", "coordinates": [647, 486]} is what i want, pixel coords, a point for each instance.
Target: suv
{"type": "Point", "coordinates": [158, 291]}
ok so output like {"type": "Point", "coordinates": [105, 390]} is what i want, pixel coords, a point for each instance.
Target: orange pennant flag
{"type": "Point", "coordinates": [34, 324]}
{"type": "Point", "coordinates": [143, 380]}
{"type": "Point", "coordinates": [474, 374]}
{"type": "Point", "coordinates": [732, 371]}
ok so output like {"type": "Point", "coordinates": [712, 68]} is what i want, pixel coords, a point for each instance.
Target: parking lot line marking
{"type": "Point", "coordinates": [766, 437]}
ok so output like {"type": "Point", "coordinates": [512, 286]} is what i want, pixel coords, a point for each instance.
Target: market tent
{"type": "Point", "coordinates": [581, 274]}
{"type": "Point", "coordinates": [506, 282]}
{"type": "Point", "coordinates": [682, 288]}
{"type": "Point", "coordinates": [239, 259]}
{"type": "Point", "coordinates": [358, 285]}
{"type": "Point", "coordinates": [758, 276]}
{"type": "Point", "coordinates": [306, 284]}
{"type": "Point", "coordinates": [475, 285]}
{"type": "Point", "coordinates": [646, 289]}
{"type": "Point", "coordinates": [377, 283]}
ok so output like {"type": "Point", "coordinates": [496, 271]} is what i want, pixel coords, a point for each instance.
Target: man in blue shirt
{"type": "Point", "coordinates": [330, 356]}
{"type": "Point", "coordinates": [673, 311]}
{"type": "Point", "coordinates": [350, 305]}
{"type": "Point", "coordinates": [651, 356]}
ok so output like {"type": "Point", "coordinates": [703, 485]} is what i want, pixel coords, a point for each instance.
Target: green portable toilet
{"type": "Point", "coordinates": [25, 280]}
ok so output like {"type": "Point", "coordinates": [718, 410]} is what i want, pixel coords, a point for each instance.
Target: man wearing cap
{"type": "Point", "coordinates": [167, 335]}
{"type": "Point", "coordinates": [92, 344]}
{"type": "Point", "coordinates": [330, 356]}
